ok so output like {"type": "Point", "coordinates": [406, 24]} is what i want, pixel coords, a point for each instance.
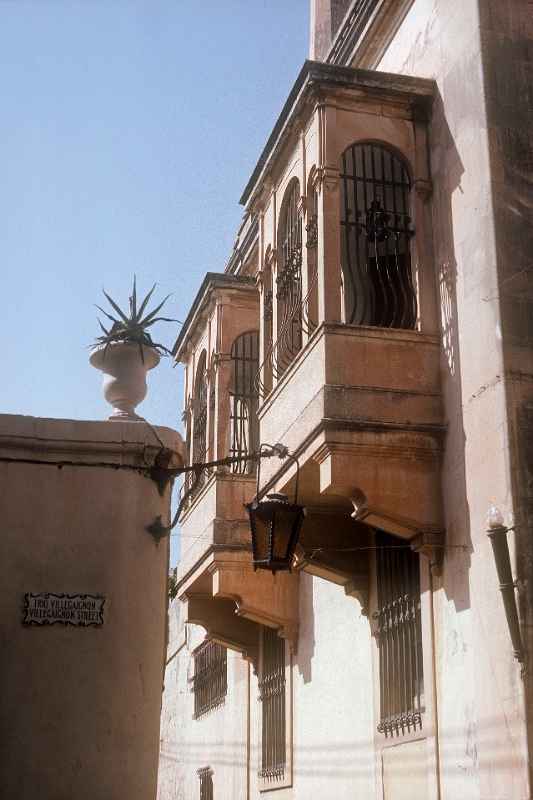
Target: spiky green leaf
{"type": "Point", "coordinates": [133, 298]}
{"type": "Point", "coordinates": [153, 313]}
{"type": "Point", "coordinates": [116, 307]}
{"type": "Point", "coordinates": [145, 302]}
{"type": "Point", "coordinates": [114, 320]}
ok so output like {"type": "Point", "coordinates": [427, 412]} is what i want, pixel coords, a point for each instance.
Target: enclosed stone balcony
{"type": "Point", "coordinates": [215, 576]}
{"type": "Point", "coordinates": [361, 409]}
{"type": "Point", "coordinates": [219, 346]}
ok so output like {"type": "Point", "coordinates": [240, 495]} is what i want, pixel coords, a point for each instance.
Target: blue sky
{"type": "Point", "coordinates": [129, 130]}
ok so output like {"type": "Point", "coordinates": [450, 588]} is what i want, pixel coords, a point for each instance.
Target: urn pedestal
{"type": "Point", "coordinates": [124, 366]}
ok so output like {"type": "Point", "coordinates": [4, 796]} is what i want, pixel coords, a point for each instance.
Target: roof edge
{"type": "Point", "coordinates": [314, 72]}
{"type": "Point", "coordinates": [211, 281]}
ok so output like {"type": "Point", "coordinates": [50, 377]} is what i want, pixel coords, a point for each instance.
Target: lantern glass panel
{"type": "Point", "coordinates": [284, 520]}
{"type": "Point", "coordinates": [261, 533]}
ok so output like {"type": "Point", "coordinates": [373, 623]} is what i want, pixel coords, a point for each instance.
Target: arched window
{"type": "Point", "coordinates": [310, 305]}
{"type": "Point", "coordinates": [244, 425]}
{"type": "Point", "coordinates": [375, 238]}
{"type": "Point", "coordinates": [289, 280]}
{"type": "Point", "coordinates": [199, 441]}
{"type": "Point", "coordinates": [266, 385]}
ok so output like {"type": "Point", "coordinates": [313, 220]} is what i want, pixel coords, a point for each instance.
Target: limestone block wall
{"type": "Point", "coordinates": [480, 691]}
{"type": "Point", "coordinates": [80, 705]}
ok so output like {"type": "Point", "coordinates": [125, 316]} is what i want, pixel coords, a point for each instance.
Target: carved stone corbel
{"type": "Point", "coordinates": [430, 544]}
{"type": "Point", "coordinates": [359, 590]}
{"type": "Point", "coordinates": [328, 178]}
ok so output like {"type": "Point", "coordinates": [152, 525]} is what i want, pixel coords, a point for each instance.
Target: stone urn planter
{"type": "Point", "coordinates": [124, 382]}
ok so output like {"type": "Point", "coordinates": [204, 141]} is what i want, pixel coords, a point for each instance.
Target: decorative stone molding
{"type": "Point", "coordinates": [222, 624]}
{"type": "Point", "coordinates": [431, 544]}
{"type": "Point", "coordinates": [259, 596]}
{"type": "Point", "coordinates": [423, 187]}
{"type": "Point", "coordinates": [359, 590]}
{"type": "Point", "coordinates": [327, 178]}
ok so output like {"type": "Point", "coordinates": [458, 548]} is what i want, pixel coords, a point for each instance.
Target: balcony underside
{"type": "Point", "coordinates": [229, 599]}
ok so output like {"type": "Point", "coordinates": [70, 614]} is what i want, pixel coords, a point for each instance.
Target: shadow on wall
{"type": "Point", "coordinates": [351, 759]}
{"type": "Point", "coordinates": [306, 638]}
{"type": "Point", "coordinates": [447, 170]}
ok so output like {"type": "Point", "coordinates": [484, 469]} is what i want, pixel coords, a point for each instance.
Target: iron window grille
{"type": "Point", "coordinates": [206, 783]}
{"type": "Point", "coordinates": [401, 678]}
{"type": "Point", "coordinates": [375, 238]}
{"type": "Point", "coordinates": [212, 409]}
{"type": "Point", "coordinates": [199, 445]}
{"type": "Point", "coordinates": [268, 315]}
{"type": "Point", "coordinates": [244, 399]}
{"type": "Point", "coordinates": [210, 682]}
{"type": "Point", "coordinates": [273, 712]}
{"type": "Point", "coordinates": [289, 280]}
{"type": "Point", "coordinates": [296, 314]}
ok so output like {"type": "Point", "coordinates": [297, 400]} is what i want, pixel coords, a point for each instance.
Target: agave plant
{"type": "Point", "coordinates": [132, 327]}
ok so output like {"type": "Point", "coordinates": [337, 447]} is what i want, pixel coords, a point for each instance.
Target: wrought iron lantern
{"type": "Point", "coordinates": [275, 524]}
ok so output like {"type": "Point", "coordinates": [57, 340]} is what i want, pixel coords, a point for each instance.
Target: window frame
{"type": "Point", "coordinates": [288, 290]}
{"type": "Point", "coordinates": [214, 696]}
{"type": "Point", "coordinates": [377, 256]}
{"type": "Point", "coordinates": [398, 582]}
{"type": "Point", "coordinates": [244, 389]}
{"type": "Point", "coordinates": [266, 784]}
{"type": "Point", "coordinates": [205, 776]}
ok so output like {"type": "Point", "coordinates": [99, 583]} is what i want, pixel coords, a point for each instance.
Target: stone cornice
{"type": "Point", "coordinates": [211, 282]}
{"type": "Point", "coordinates": [315, 76]}
{"type": "Point", "coordinates": [84, 443]}
{"type": "Point", "coordinates": [243, 247]}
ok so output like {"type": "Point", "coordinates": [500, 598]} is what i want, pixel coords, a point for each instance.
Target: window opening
{"type": "Point", "coordinates": [272, 698]}
{"type": "Point", "coordinates": [206, 783]}
{"type": "Point", "coordinates": [289, 281]}
{"type": "Point", "coordinates": [268, 329]}
{"type": "Point", "coordinates": [244, 398]}
{"type": "Point", "coordinates": [200, 421]}
{"type": "Point", "coordinates": [401, 679]}
{"type": "Point", "coordinates": [210, 677]}
{"type": "Point", "coordinates": [375, 238]}
{"type": "Point", "coordinates": [310, 305]}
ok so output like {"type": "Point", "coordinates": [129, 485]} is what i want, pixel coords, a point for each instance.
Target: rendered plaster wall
{"type": "Point", "coordinates": [480, 691]}
{"type": "Point", "coordinates": [331, 688]}
{"type": "Point", "coordinates": [507, 50]}
{"type": "Point", "coordinates": [79, 710]}
{"type": "Point", "coordinates": [217, 740]}
{"type": "Point", "coordinates": [333, 727]}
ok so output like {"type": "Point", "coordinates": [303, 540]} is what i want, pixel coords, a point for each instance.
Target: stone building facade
{"type": "Point", "coordinates": [374, 317]}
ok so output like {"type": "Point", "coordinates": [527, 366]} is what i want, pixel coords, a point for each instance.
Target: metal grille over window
{"type": "Point", "coordinates": [375, 238]}
{"type": "Point", "coordinates": [289, 281]}
{"type": "Point", "coordinates": [199, 445]}
{"type": "Point", "coordinates": [272, 698]}
{"type": "Point", "coordinates": [401, 682]}
{"type": "Point", "coordinates": [206, 783]}
{"type": "Point", "coordinates": [244, 399]}
{"type": "Point", "coordinates": [210, 677]}
{"type": "Point", "coordinates": [266, 385]}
